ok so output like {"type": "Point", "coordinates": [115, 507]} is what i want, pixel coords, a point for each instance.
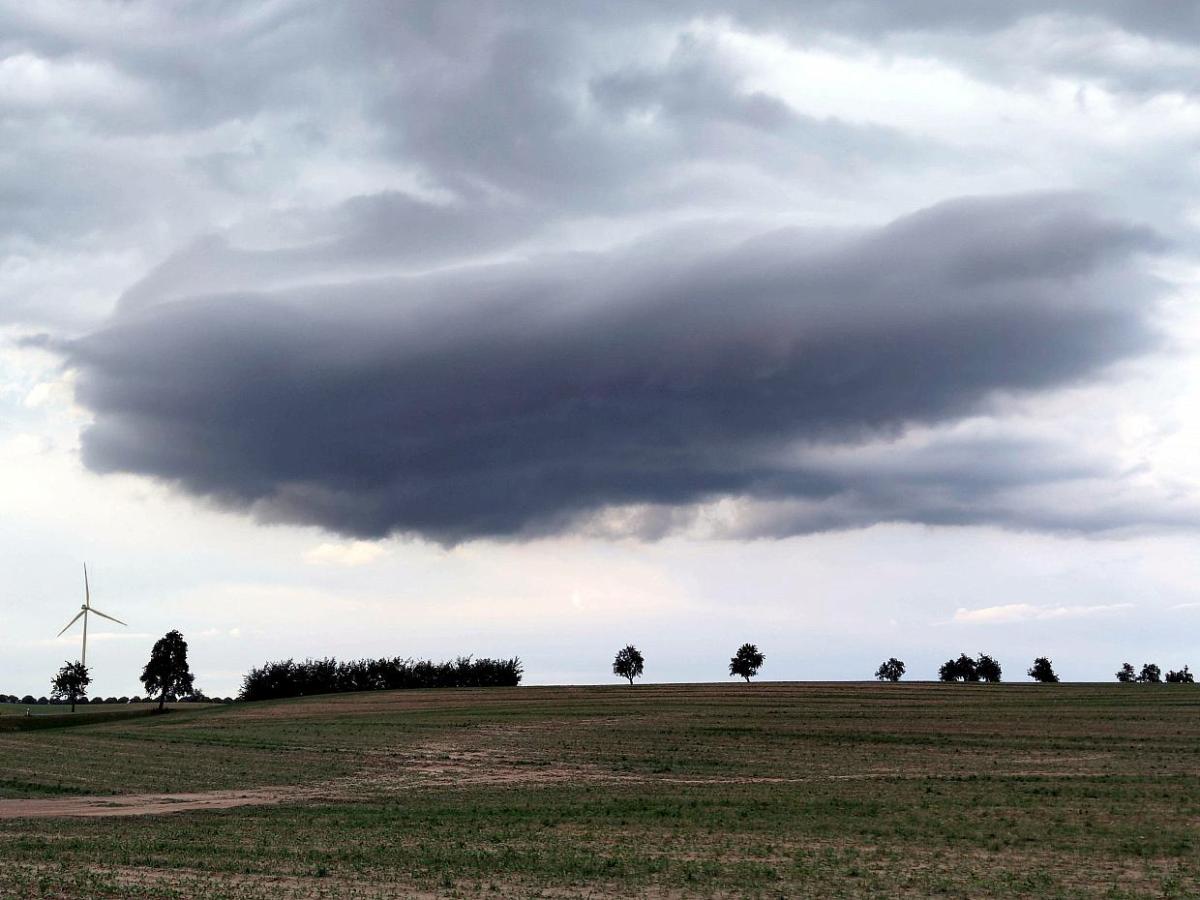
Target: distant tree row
{"type": "Point", "coordinates": [288, 678]}
{"type": "Point", "coordinates": [985, 668]}
{"type": "Point", "coordinates": [745, 663]}
{"type": "Point", "coordinates": [1152, 674]}
{"type": "Point", "coordinates": [30, 700]}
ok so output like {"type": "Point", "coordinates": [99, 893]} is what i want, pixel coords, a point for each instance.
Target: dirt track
{"type": "Point", "coordinates": [146, 804]}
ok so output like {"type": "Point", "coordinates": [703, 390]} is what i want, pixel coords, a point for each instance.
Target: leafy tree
{"type": "Point", "coordinates": [71, 683]}
{"type": "Point", "coordinates": [892, 670]}
{"type": "Point", "coordinates": [987, 668]}
{"type": "Point", "coordinates": [167, 671]}
{"type": "Point", "coordinates": [1150, 674]}
{"type": "Point", "coordinates": [746, 662]}
{"type": "Point", "coordinates": [1043, 671]}
{"type": "Point", "coordinates": [1183, 676]}
{"type": "Point", "coordinates": [961, 669]}
{"type": "Point", "coordinates": [1126, 674]}
{"type": "Point", "coordinates": [629, 663]}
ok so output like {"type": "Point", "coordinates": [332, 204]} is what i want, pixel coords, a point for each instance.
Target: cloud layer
{"type": "Point", "coordinates": [516, 399]}
{"type": "Point", "coordinates": [507, 270]}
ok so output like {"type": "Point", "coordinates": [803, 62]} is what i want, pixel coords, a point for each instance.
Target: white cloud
{"type": "Point", "coordinates": [1027, 612]}
{"type": "Point", "coordinates": [350, 553]}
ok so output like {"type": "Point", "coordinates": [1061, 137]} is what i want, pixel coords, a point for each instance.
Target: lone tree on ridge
{"type": "Point", "coordinates": [1043, 671]}
{"type": "Point", "coordinates": [71, 683]}
{"type": "Point", "coordinates": [1126, 674]}
{"type": "Point", "coordinates": [746, 662]}
{"type": "Point", "coordinates": [891, 670]}
{"type": "Point", "coordinates": [167, 671]}
{"type": "Point", "coordinates": [629, 663]}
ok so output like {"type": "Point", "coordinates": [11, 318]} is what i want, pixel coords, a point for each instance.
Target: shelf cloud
{"type": "Point", "coordinates": [520, 398]}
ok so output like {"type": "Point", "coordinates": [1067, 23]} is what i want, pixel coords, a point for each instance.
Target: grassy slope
{"type": "Point", "coordinates": [58, 709]}
{"type": "Point", "coordinates": [965, 790]}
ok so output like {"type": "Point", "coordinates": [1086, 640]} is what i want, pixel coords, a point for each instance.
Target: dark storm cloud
{"type": "Point", "coordinates": [512, 400]}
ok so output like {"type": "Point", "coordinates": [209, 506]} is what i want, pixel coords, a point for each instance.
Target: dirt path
{"type": "Point", "coordinates": [149, 804]}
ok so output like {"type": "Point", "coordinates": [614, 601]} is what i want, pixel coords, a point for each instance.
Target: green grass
{"type": "Point", "coordinates": [761, 790]}
{"type": "Point", "coordinates": [58, 709]}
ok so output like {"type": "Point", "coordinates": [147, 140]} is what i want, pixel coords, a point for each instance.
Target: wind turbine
{"type": "Point", "coordinates": [83, 613]}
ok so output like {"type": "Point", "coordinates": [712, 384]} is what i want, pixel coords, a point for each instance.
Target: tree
{"type": "Point", "coordinates": [1183, 676]}
{"type": "Point", "coordinates": [71, 683]}
{"type": "Point", "coordinates": [1125, 674]}
{"type": "Point", "coordinates": [961, 669]}
{"type": "Point", "coordinates": [1043, 671]}
{"type": "Point", "coordinates": [746, 662]}
{"type": "Point", "coordinates": [167, 671]}
{"type": "Point", "coordinates": [987, 668]}
{"type": "Point", "coordinates": [1150, 674]}
{"type": "Point", "coordinates": [892, 670]}
{"type": "Point", "coordinates": [629, 663]}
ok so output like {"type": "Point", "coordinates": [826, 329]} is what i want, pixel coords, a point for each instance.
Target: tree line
{"type": "Point", "coordinates": [289, 678]}
{"type": "Point", "coordinates": [984, 668]}
{"type": "Point", "coordinates": [30, 700]}
{"type": "Point", "coordinates": [745, 663]}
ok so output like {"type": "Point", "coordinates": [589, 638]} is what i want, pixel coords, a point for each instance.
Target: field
{"type": "Point", "coordinates": [664, 791]}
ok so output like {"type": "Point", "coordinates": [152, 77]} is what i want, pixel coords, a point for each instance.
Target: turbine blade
{"type": "Point", "coordinates": [69, 624]}
{"type": "Point", "coordinates": [96, 612]}
{"type": "Point", "coordinates": [87, 591]}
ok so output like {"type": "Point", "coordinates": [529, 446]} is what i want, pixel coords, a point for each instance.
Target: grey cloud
{"type": "Point", "coordinates": [518, 399]}
{"type": "Point", "coordinates": [368, 235]}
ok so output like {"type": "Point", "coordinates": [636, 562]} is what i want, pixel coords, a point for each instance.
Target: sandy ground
{"type": "Point", "coordinates": [149, 804]}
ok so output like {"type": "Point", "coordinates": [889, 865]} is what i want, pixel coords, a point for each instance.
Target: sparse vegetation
{"type": "Point", "coordinates": [629, 663]}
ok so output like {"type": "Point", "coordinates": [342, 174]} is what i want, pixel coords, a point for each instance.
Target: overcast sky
{"type": "Point", "coordinates": [855, 329]}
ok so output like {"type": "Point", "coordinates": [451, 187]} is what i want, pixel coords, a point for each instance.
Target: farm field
{"type": "Point", "coordinates": [58, 709]}
{"type": "Point", "coordinates": [665, 791]}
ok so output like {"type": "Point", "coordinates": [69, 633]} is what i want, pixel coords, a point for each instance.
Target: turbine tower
{"type": "Point", "coordinates": [84, 610]}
